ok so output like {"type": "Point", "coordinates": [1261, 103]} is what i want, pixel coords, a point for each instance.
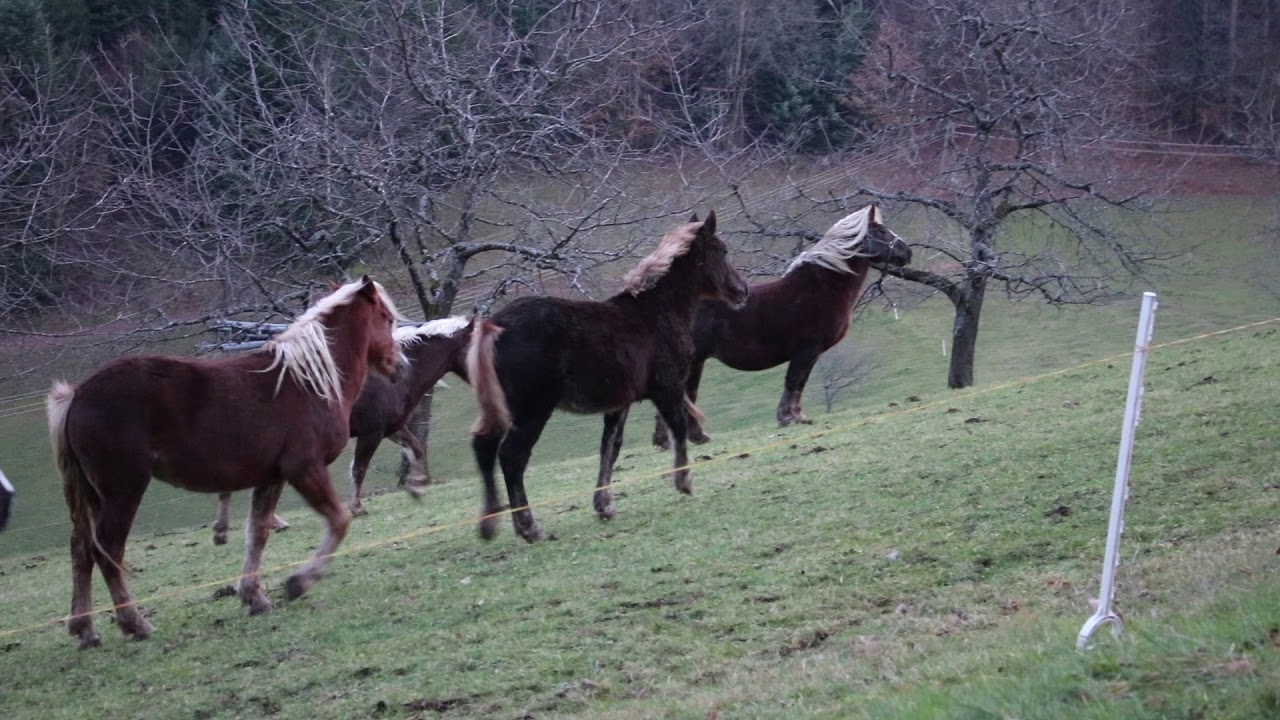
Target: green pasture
{"type": "Point", "coordinates": [919, 552]}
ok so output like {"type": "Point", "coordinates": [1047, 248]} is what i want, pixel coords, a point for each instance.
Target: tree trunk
{"type": "Point", "coordinates": [964, 332]}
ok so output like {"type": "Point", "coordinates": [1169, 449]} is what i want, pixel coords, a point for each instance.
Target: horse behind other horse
{"type": "Point", "coordinates": [385, 406]}
{"type": "Point", "coordinates": [796, 318]}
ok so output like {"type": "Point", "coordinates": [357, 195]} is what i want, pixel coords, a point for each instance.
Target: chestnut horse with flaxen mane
{"type": "Point", "coordinates": [385, 405]}
{"type": "Point", "coordinates": [542, 353]}
{"type": "Point", "coordinates": [256, 421]}
{"type": "Point", "coordinates": [795, 318]}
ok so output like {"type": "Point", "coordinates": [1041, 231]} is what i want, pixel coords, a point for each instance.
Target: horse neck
{"type": "Point", "coordinates": [846, 287]}
{"type": "Point", "coordinates": [349, 347]}
{"type": "Point", "coordinates": [429, 360]}
{"type": "Point", "coordinates": [673, 298]}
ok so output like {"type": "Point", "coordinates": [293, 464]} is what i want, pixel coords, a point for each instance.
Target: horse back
{"type": "Point", "coordinates": [780, 318]}
{"type": "Point", "coordinates": [205, 425]}
{"type": "Point", "coordinates": [580, 356]}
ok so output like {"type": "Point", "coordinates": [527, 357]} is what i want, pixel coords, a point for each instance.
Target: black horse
{"type": "Point", "coordinates": [542, 353]}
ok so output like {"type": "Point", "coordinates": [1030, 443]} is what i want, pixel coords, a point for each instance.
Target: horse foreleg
{"type": "Point", "coordinates": [485, 448]}
{"type": "Point", "coordinates": [514, 454]}
{"type": "Point", "coordinates": [317, 489]}
{"type": "Point", "coordinates": [80, 622]}
{"type": "Point", "coordinates": [115, 518]}
{"type": "Point", "coordinates": [257, 528]}
{"type": "Point", "coordinates": [797, 375]}
{"type": "Point", "coordinates": [417, 478]}
{"type": "Point", "coordinates": [673, 411]}
{"type": "Point", "coordinates": [365, 447]}
{"type": "Point", "coordinates": [610, 446]}
{"type": "Point", "coordinates": [223, 520]}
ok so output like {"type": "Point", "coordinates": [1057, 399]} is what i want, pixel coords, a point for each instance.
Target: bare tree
{"type": "Point", "coordinates": [996, 117]}
{"type": "Point", "coordinates": [839, 368]}
{"type": "Point", "coordinates": [452, 144]}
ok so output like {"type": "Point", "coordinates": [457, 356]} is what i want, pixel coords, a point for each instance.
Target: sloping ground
{"type": "Point", "coordinates": [932, 560]}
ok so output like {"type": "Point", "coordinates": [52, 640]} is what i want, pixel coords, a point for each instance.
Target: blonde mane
{"type": "Point", "coordinates": [842, 241]}
{"type": "Point", "coordinates": [444, 327]}
{"type": "Point", "coordinates": [650, 270]}
{"type": "Point", "coordinates": [302, 349]}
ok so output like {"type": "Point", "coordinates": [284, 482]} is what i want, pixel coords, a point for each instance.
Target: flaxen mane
{"type": "Point", "coordinates": [651, 269]}
{"type": "Point", "coordinates": [303, 349]}
{"type": "Point", "coordinates": [444, 327]}
{"type": "Point", "coordinates": [841, 242]}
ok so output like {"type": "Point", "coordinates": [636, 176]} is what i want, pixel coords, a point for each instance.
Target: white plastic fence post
{"type": "Point", "coordinates": [1106, 614]}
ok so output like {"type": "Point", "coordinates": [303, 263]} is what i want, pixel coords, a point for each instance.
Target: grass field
{"type": "Point", "coordinates": [918, 553]}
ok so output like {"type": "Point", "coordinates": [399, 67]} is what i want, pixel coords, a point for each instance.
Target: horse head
{"type": "Point", "coordinates": [883, 245]}
{"type": "Point", "coordinates": [384, 353]}
{"type": "Point", "coordinates": [719, 280]}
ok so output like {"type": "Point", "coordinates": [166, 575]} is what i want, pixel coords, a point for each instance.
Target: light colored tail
{"type": "Point", "coordinates": [495, 416]}
{"type": "Point", "coordinates": [693, 411]}
{"type": "Point", "coordinates": [80, 493]}
{"type": "Point", "coordinates": [82, 497]}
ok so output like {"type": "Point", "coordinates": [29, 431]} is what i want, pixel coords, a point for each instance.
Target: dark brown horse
{"type": "Point", "coordinates": [542, 353]}
{"type": "Point", "coordinates": [796, 318]}
{"type": "Point", "coordinates": [385, 404]}
{"type": "Point", "coordinates": [256, 421]}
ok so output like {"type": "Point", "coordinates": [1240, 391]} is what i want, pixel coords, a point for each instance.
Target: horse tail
{"type": "Point", "coordinates": [693, 411]}
{"type": "Point", "coordinates": [495, 416]}
{"type": "Point", "coordinates": [83, 498]}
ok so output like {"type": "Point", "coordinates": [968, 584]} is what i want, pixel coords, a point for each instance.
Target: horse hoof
{"type": "Point", "coordinates": [279, 524]}
{"type": "Point", "coordinates": [89, 640]}
{"type": "Point", "coordinates": [699, 439]}
{"type": "Point", "coordinates": [294, 587]}
{"type": "Point", "coordinates": [684, 484]}
{"type": "Point", "coordinates": [220, 538]}
{"type": "Point", "coordinates": [358, 511]}
{"type": "Point", "coordinates": [259, 606]}
{"type": "Point", "coordinates": [607, 513]}
{"type": "Point", "coordinates": [415, 490]}
{"type": "Point", "coordinates": [533, 535]}
{"type": "Point", "coordinates": [139, 631]}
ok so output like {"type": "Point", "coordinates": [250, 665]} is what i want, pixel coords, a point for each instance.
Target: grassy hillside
{"type": "Point", "coordinates": [931, 559]}
{"type": "Point", "coordinates": [1216, 286]}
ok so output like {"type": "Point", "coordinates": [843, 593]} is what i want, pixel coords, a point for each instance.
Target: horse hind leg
{"type": "Point", "coordinates": [365, 447]}
{"type": "Point", "coordinates": [115, 518]}
{"type": "Point", "coordinates": [223, 520]}
{"type": "Point", "coordinates": [317, 489]}
{"type": "Point", "coordinates": [256, 530]}
{"type": "Point", "coordinates": [797, 375]}
{"type": "Point", "coordinates": [513, 455]}
{"type": "Point", "coordinates": [80, 621]}
{"type": "Point", "coordinates": [417, 478]}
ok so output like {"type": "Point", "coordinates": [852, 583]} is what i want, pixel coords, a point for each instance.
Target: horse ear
{"type": "Point", "coordinates": [366, 286]}
{"type": "Point", "coordinates": [709, 227]}
{"type": "Point", "coordinates": [875, 218]}
{"type": "Point", "coordinates": [693, 217]}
